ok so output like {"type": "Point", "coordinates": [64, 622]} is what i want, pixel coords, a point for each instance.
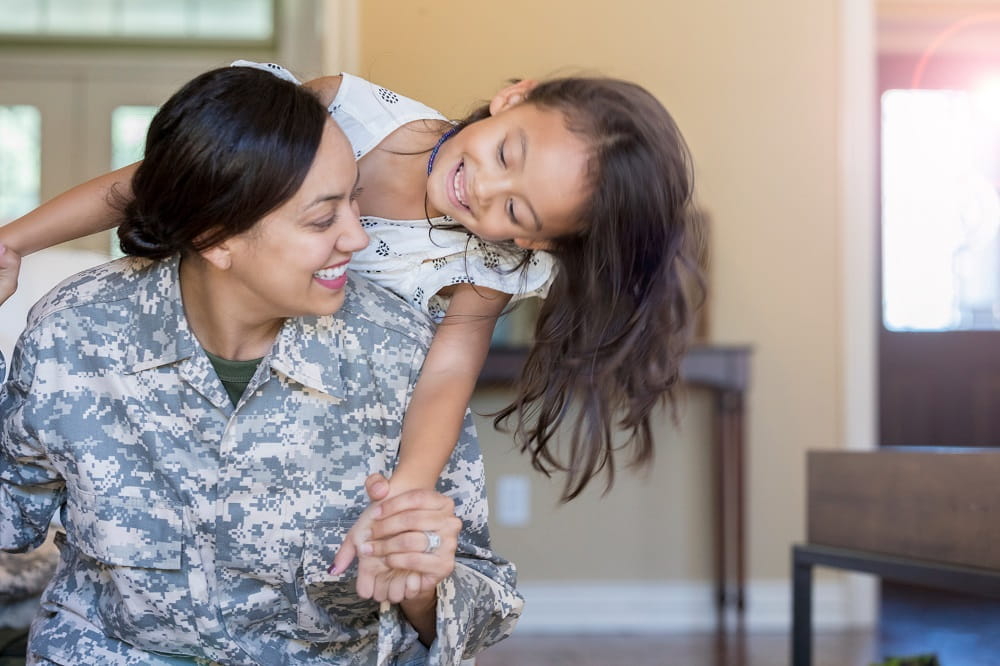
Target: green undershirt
{"type": "Point", "coordinates": [235, 375]}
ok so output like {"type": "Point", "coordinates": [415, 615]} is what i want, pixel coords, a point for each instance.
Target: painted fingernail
{"type": "Point", "coordinates": [332, 569]}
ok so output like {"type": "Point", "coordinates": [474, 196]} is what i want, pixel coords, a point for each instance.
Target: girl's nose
{"type": "Point", "coordinates": [488, 186]}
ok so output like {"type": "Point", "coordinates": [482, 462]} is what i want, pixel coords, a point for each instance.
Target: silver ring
{"type": "Point", "coordinates": [433, 541]}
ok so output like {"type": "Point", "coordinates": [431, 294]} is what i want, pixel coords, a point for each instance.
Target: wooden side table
{"type": "Point", "coordinates": [725, 371]}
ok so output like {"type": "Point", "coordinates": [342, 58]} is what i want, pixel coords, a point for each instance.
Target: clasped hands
{"type": "Point", "coordinates": [390, 540]}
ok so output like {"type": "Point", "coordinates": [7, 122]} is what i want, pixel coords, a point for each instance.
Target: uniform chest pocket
{"type": "Point", "coordinates": [131, 529]}
{"type": "Point", "coordinates": [329, 608]}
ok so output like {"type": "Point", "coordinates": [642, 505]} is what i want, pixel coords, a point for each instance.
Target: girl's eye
{"type": "Point", "coordinates": [510, 212]}
{"type": "Point", "coordinates": [501, 156]}
{"type": "Point", "coordinates": [356, 193]}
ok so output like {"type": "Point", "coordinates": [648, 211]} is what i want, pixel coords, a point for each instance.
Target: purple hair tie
{"type": "Point", "coordinates": [444, 137]}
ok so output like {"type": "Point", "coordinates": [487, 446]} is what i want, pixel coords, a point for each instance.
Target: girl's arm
{"type": "Point", "coordinates": [434, 416]}
{"type": "Point", "coordinates": [9, 265]}
{"type": "Point", "coordinates": [433, 420]}
{"type": "Point", "coordinates": [85, 209]}
{"type": "Point", "coordinates": [75, 213]}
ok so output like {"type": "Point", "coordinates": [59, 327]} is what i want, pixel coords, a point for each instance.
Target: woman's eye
{"type": "Point", "coordinates": [325, 223]}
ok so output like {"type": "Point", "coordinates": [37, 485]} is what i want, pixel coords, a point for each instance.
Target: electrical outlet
{"type": "Point", "coordinates": [513, 507]}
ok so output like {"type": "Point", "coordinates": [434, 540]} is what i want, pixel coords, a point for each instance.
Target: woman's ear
{"type": "Point", "coordinates": [219, 256]}
{"type": "Point", "coordinates": [511, 95]}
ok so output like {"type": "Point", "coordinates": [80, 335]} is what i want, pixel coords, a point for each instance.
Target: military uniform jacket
{"type": "Point", "coordinates": [196, 532]}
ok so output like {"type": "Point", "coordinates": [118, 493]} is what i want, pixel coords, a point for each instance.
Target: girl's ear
{"type": "Point", "coordinates": [511, 95]}
{"type": "Point", "coordinates": [527, 244]}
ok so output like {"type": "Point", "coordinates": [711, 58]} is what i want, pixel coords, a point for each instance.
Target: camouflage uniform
{"type": "Point", "coordinates": [196, 532]}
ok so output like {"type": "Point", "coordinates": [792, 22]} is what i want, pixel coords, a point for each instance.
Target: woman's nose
{"type": "Point", "coordinates": [354, 238]}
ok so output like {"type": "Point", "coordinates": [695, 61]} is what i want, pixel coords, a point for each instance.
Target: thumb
{"type": "Point", "coordinates": [377, 487]}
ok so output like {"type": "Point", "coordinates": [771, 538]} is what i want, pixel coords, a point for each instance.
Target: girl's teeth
{"type": "Point", "coordinates": [331, 273]}
{"type": "Point", "coordinates": [459, 177]}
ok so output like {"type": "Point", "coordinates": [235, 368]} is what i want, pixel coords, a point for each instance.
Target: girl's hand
{"type": "Point", "coordinates": [10, 264]}
{"type": "Point", "coordinates": [404, 584]}
{"type": "Point", "coordinates": [378, 489]}
{"type": "Point", "coordinates": [404, 529]}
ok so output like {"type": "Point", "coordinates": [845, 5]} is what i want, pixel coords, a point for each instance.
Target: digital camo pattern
{"type": "Point", "coordinates": [196, 532]}
{"type": "Point", "coordinates": [25, 575]}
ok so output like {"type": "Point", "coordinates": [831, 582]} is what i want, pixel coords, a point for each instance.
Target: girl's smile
{"type": "Point", "coordinates": [519, 175]}
{"type": "Point", "coordinates": [456, 193]}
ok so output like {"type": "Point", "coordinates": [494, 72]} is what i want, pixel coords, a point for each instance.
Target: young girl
{"type": "Point", "coordinates": [575, 189]}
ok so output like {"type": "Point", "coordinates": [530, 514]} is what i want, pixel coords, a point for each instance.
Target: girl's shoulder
{"type": "Point", "coordinates": [369, 113]}
{"type": "Point", "coordinates": [325, 88]}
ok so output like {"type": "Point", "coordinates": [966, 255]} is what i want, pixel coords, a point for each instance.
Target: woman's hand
{"type": "Point", "coordinates": [415, 531]}
{"type": "Point", "coordinates": [411, 548]}
{"type": "Point", "coordinates": [10, 264]}
{"type": "Point", "coordinates": [396, 561]}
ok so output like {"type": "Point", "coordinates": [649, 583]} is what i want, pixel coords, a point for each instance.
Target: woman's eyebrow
{"type": "Point", "coordinates": [340, 196]}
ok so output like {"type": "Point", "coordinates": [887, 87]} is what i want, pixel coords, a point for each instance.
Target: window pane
{"type": "Point", "coordinates": [20, 16]}
{"type": "Point", "coordinates": [940, 210]}
{"type": "Point", "coordinates": [20, 160]}
{"type": "Point", "coordinates": [128, 133]}
{"type": "Point", "coordinates": [248, 18]}
{"type": "Point", "coordinates": [153, 18]}
{"type": "Point", "coordinates": [71, 17]}
{"type": "Point", "coordinates": [187, 20]}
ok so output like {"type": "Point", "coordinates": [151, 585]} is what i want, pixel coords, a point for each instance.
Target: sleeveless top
{"type": "Point", "coordinates": [411, 258]}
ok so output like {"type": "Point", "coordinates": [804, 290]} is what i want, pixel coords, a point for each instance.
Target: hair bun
{"type": "Point", "coordinates": [136, 237]}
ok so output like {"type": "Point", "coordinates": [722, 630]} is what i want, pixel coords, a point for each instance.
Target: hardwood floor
{"type": "Point", "coordinates": [840, 649]}
{"type": "Point", "coordinates": [960, 630]}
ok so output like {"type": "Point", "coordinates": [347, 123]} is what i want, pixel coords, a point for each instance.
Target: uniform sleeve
{"type": "Point", "coordinates": [30, 489]}
{"type": "Point", "coordinates": [478, 604]}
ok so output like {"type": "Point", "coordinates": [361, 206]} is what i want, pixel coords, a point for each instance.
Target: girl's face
{"type": "Point", "coordinates": [293, 262]}
{"type": "Point", "coordinates": [519, 174]}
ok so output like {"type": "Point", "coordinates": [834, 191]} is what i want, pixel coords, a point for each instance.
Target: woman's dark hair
{"type": "Point", "coordinates": [619, 314]}
{"type": "Point", "coordinates": [225, 150]}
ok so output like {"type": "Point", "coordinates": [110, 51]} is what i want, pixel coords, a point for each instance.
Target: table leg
{"type": "Point", "coordinates": [720, 509]}
{"type": "Point", "coordinates": [734, 407]}
{"type": "Point", "coordinates": [801, 610]}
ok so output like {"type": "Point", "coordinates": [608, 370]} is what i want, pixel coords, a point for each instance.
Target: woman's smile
{"type": "Point", "coordinates": [332, 277]}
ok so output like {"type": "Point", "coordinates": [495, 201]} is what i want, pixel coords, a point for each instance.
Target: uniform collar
{"type": "Point", "coordinates": [307, 349]}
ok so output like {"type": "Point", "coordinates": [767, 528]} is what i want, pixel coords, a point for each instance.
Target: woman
{"type": "Point", "coordinates": [205, 413]}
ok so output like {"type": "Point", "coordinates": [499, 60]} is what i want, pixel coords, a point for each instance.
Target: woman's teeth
{"type": "Point", "coordinates": [331, 273]}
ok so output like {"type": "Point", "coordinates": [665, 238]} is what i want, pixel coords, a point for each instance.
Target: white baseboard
{"type": "Point", "coordinates": [639, 607]}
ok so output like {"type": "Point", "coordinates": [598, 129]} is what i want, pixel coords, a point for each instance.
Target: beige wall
{"type": "Point", "coordinates": [754, 87]}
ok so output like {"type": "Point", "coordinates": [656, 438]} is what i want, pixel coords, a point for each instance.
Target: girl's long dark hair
{"type": "Point", "coordinates": [611, 333]}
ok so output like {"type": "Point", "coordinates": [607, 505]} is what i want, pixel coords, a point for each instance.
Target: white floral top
{"type": "Point", "coordinates": [409, 257]}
